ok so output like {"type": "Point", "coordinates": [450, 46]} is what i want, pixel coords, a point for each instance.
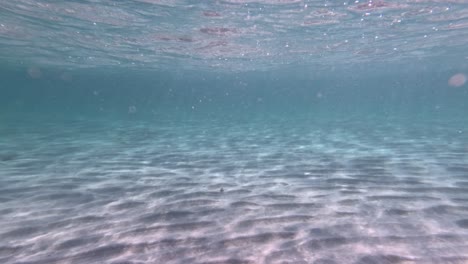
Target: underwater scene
{"type": "Point", "coordinates": [233, 131]}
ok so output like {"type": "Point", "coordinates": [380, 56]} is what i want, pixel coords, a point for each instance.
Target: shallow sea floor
{"type": "Point", "coordinates": [283, 191]}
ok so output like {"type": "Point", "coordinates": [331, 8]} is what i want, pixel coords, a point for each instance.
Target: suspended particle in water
{"type": "Point", "coordinates": [132, 109]}
{"type": "Point", "coordinates": [65, 76]}
{"type": "Point", "coordinates": [34, 72]}
{"type": "Point", "coordinates": [457, 80]}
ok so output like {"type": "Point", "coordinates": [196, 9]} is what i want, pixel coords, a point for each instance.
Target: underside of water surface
{"type": "Point", "coordinates": [233, 131]}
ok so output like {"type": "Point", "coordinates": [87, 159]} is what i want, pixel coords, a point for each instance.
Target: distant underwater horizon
{"type": "Point", "coordinates": [233, 131]}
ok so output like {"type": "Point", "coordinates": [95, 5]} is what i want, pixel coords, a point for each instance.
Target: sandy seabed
{"type": "Point", "coordinates": [204, 192]}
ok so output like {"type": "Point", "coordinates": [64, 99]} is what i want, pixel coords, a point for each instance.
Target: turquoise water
{"type": "Point", "coordinates": [233, 131]}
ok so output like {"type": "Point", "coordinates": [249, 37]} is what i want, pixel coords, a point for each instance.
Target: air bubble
{"type": "Point", "coordinates": [132, 109]}
{"type": "Point", "coordinates": [457, 80]}
{"type": "Point", "coordinates": [34, 72]}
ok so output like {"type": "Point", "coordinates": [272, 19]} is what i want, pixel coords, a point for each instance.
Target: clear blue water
{"type": "Point", "coordinates": [233, 131]}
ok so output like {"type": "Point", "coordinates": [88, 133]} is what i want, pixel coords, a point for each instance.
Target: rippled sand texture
{"type": "Point", "coordinates": [297, 192]}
